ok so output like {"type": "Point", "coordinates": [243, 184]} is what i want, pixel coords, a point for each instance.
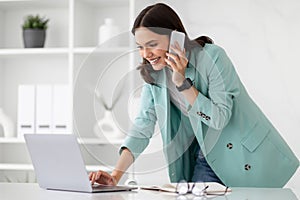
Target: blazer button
{"type": "Point", "coordinates": [207, 117]}
{"type": "Point", "coordinates": [229, 146]}
{"type": "Point", "coordinates": [201, 114]}
{"type": "Point", "coordinates": [247, 167]}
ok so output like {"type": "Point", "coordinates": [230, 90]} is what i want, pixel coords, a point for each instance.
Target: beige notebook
{"type": "Point", "coordinates": [209, 188]}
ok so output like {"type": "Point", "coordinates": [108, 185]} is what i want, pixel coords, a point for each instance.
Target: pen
{"type": "Point", "coordinates": [204, 190]}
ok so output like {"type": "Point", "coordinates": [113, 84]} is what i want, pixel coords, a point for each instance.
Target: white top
{"type": "Point", "coordinates": [176, 97]}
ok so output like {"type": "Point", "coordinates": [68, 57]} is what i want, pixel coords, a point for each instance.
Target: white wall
{"type": "Point", "coordinates": [262, 39]}
{"type": "Point", "coordinates": [1, 70]}
{"type": "Point", "coordinates": [1, 25]}
{"type": "Point", "coordinates": [1, 84]}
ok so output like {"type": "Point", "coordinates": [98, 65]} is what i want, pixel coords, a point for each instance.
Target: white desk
{"type": "Point", "coordinates": [24, 191]}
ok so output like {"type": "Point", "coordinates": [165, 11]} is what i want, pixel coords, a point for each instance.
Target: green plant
{"type": "Point", "coordinates": [35, 22]}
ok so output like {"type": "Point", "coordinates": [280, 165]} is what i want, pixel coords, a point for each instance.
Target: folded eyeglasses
{"type": "Point", "coordinates": [197, 189]}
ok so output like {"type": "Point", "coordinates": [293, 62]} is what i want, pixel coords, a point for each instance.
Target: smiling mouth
{"type": "Point", "coordinates": [154, 61]}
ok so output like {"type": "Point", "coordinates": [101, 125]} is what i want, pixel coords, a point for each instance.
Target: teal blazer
{"type": "Point", "coordinates": [239, 142]}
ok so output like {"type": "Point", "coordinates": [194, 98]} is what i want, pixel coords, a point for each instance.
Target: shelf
{"type": "Point", "coordinates": [99, 141]}
{"type": "Point", "coordinates": [98, 3]}
{"type": "Point", "coordinates": [9, 166]}
{"type": "Point", "coordinates": [12, 141]}
{"type": "Point", "coordinates": [29, 4]}
{"type": "Point", "coordinates": [64, 51]}
{"type": "Point", "coordinates": [92, 141]}
{"type": "Point", "coordinates": [33, 51]}
{"type": "Point", "coordinates": [29, 167]}
{"type": "Point", "coordinates": [88, 50]}
{"type": "Point", "coordinates": [99, 167]}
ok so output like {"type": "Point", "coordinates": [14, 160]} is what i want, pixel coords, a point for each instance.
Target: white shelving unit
{"type": "Point", "coordinates": [71, 41]}
{"type": "Point", "coordinates": [32, 51]}
{"type": "Point", "coordinates": [87, 141]}
{"type": "Point", "coordinates": [29, 167]}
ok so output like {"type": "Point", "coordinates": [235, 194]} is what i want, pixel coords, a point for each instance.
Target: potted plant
{"type": "Point", "coordinates": [34, 31]}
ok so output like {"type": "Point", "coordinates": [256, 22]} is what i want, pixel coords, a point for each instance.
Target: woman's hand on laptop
{"type": "Point", "coordinates": [102, 177]}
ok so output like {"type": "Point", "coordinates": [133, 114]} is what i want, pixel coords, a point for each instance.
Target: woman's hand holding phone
{"type": "Point", "coordinates": [176, 57]}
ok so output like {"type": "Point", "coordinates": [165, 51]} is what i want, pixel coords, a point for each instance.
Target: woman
{"type": "Point", "coordinates": [210, 127]}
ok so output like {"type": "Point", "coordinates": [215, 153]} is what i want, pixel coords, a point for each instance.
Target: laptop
{"type": "Point", "coordinates": [58, 164]}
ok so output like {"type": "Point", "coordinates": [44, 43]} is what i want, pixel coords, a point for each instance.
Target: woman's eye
{"type": "Point", "coordinates": [153, 45]}
{"type": "Point", "coordinates": [139, 47]}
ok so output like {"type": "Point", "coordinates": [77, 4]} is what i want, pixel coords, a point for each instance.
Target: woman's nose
{"type": "Point", "coordinates": [146, 53]}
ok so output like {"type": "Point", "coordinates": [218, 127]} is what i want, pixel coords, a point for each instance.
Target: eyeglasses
{"type": "Point", "coordinates": [197, 189]}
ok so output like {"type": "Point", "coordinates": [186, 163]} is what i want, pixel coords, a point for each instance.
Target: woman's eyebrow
{"type": "Point", "coordinates": [147, 42]}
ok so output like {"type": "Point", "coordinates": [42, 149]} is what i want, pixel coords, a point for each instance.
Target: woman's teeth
{"type": "Point", "coordinates": [154, 61]}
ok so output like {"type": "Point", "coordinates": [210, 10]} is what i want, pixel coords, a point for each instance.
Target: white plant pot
{"type": "Point", "coordinates": [7, 125]}
{"type": "Point", "coordinates": [108, 34]}
{"type": "Point", "coordinates": [107, 128]}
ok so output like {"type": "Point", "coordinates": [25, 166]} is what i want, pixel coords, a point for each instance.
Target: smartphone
{"type": "Point", "coordinates": [179, 37]}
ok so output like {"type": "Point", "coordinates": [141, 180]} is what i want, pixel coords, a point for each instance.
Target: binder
{"type": "Point", "coordinates": [43, 109]}
{"type": "Point", "coordinates": [26, 110]}
{"type": "Point", "coordinates": [61, 109]}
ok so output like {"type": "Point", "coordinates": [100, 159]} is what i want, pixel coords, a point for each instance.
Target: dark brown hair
{"type": "Point", "coordinates": [162, 19]}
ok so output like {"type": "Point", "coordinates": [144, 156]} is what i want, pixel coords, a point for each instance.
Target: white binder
{"type": "Point", "coordinates": [26, 110]}
{"type": "Point", "coordinates": [61, 109]}
{"type": "Point", "coordinates": [43, 109]}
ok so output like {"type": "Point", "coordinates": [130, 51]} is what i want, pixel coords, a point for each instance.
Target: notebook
{"type": "Point", "coordinates": [209, 188]}
{"type": "Point", "coordinates": [58, 164]}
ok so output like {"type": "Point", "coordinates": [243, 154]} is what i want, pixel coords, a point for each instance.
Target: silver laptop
{"type": "Point", "coordinates": [58, 164]}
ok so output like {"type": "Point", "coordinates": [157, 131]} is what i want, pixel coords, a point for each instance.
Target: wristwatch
{"type": "Point", "coordinates": [187, 84]}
